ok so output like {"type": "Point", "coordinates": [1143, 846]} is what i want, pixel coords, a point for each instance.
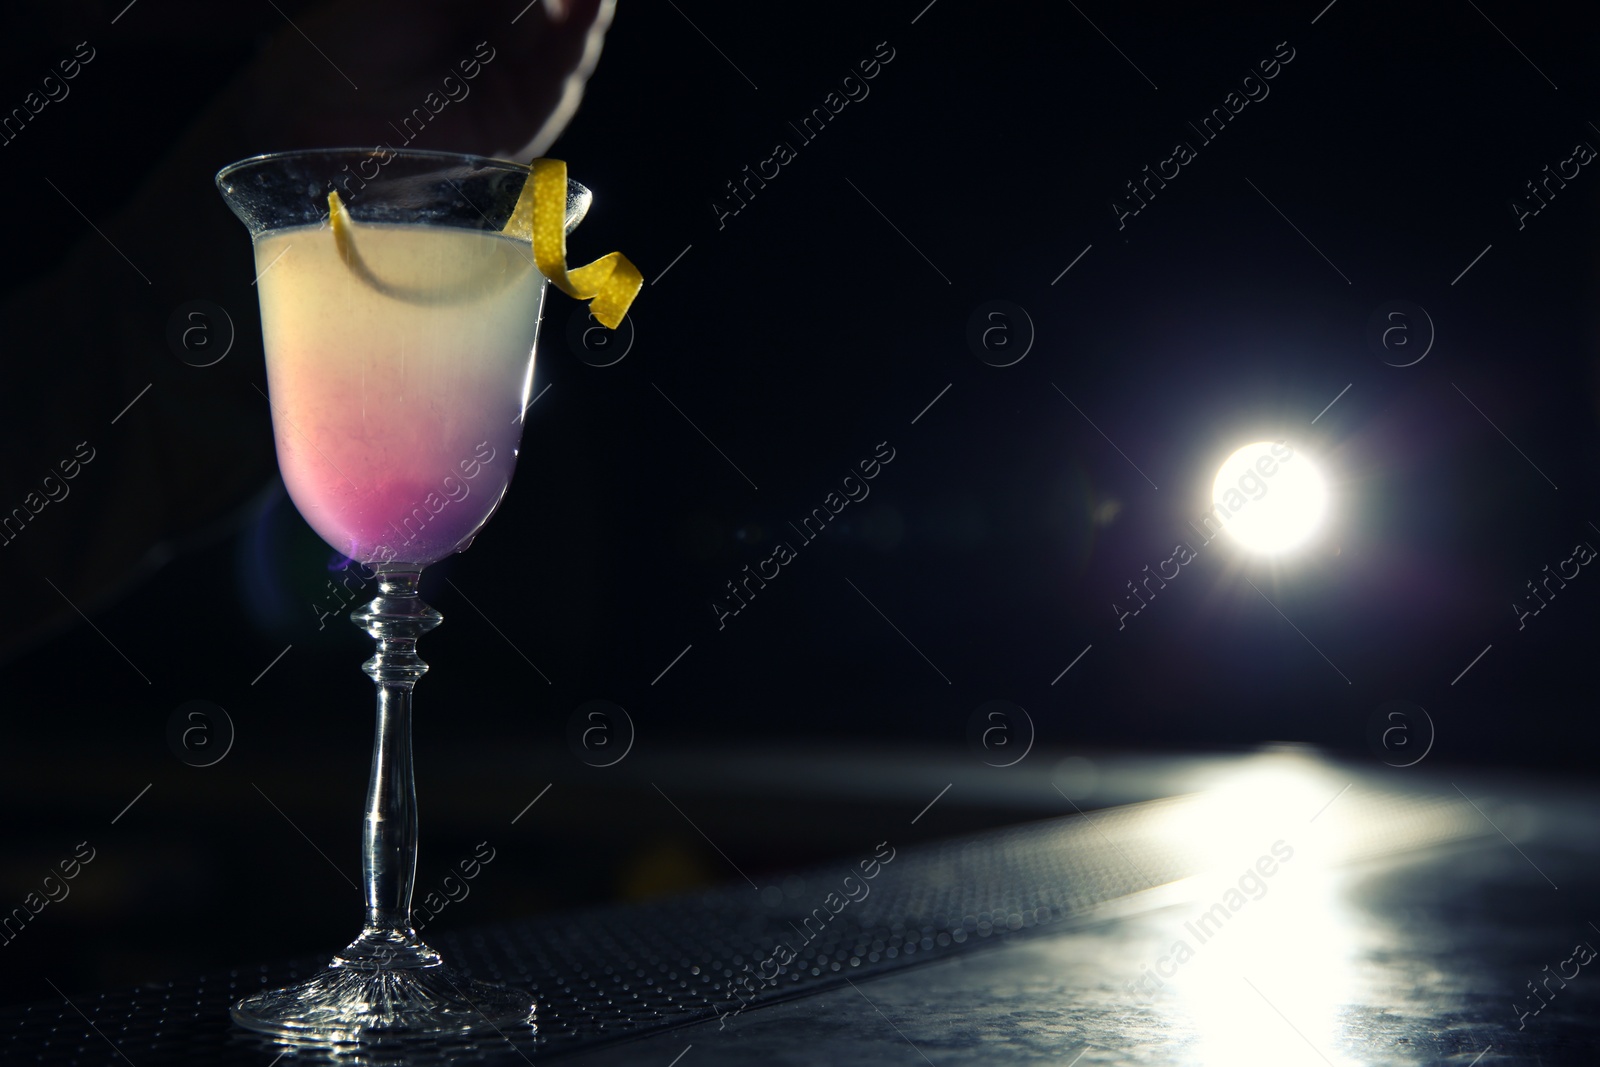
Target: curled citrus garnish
{"type": "Point", "coordinates": [494, 275]}
{"type": "Point", "coordinates": [610, 282]}
{"type": "Point", "coordinates": [539, 217]}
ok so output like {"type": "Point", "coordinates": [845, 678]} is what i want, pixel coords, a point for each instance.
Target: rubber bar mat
{"type": "Point", "coordinates": [614, 973]}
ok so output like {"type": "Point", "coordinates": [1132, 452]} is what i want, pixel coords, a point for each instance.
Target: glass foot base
{"type": "Point", "coordinates": [354, 1004]}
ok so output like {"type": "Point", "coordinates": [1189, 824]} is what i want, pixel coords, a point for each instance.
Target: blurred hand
{"type": "Point", "coordinates": [353, 73]}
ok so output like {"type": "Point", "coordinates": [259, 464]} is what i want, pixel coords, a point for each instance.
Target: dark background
{"type": "Point", "coordinates": [797, 336]}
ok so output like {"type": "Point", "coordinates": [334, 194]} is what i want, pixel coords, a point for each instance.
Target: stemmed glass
{"type": "Point", "coordinates": [399, 319]}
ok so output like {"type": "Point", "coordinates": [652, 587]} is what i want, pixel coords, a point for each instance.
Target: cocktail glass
{"type": "Point", "coordinates": [400, 354]}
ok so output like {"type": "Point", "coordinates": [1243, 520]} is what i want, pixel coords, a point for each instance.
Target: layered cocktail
{"type": "Point", "coordinates": [396, 406]}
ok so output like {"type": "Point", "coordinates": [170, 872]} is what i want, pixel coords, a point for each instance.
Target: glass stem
{"type": "Point", "coordinates": [395, 618]}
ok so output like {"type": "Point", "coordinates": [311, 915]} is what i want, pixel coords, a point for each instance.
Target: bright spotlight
{"type": "Point", "coordinates": [1272, 496]}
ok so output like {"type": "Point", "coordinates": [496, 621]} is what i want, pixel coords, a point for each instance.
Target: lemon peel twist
{"type": "Point", "coordinates": [610, 283]}
{"type": "Point", "coordinates": [463, 289]}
